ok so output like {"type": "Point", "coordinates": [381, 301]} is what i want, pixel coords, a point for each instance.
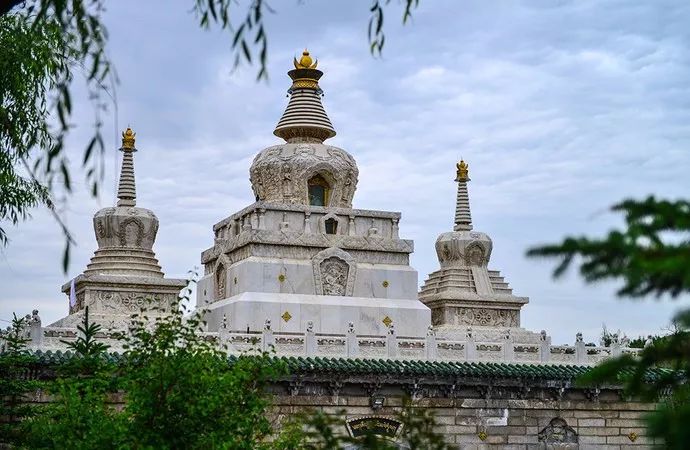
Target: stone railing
{"type": "Point", "coordinates": [510, 349]}
{"type": "Point", "coordinates": [429, 347]}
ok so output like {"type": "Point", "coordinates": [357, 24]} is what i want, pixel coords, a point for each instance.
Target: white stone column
{"type": "Point", "coordinates": [392, 342]}
{"type": "Point", "coordinates": [307, 222]}
{"type": "Point", "coordinates": [351, 344]}
{"type": "Point", "coordinates": [224, 335]}
{"type": "Point", "coordinates": [508, 350]}
{"type": "Point", "coordinates": [35, 330]}
{"type": "Point", "coordinates": [580, 350]}
{"type": "Point", "coordinates": [616, 347]}
{"type": "Point", "coordinates": [470, 346]}
{"type": "Point", "coordinates": [268, 341]}
{"type": "Point", "coordinates": [544, 347]}
{"type": "Point", "coordinates": [310, 340]}
{"type": "Point", "coordinates": [430, 345]}
{"type": "Point", "coordinates": [351, 230]}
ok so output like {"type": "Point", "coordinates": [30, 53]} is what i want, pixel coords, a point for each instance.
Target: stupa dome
{"type": "Point", "coordinates": [463, 248]}
{"type": "Point", "coordinates": [304, 170]}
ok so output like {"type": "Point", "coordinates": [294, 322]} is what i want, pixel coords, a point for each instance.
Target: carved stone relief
{"type": "Point", "coordinates": [459, 248]}
{"type": "Point", "coordinates": [486, 317]}
{"type": "Point", "coordinates": [437, 317]}
{"type": "Point", "coordinates": [280, 173]}
{"type": "Point", "coordinates": [474, 255]}
{"type": "Point", "coordinates": [220, 282]}
{"type": "Point", "coordinates": [334, 272]}
{"type": "Point", "coordinates": [131, 232]}
{"type": "Point", "coordinates": [558, 434]}
{"type": "Point", "coordinates": [334, 276]}
{"type": "Point", "coordinates": [79, 304]}
{"type": "Point", "coordinates": [220, 276]}
{"type": "Point", "coordinates": [130, 302]}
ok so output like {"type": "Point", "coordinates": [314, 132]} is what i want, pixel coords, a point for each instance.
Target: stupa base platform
{"type": "Point", "coordinates": [328, 314]}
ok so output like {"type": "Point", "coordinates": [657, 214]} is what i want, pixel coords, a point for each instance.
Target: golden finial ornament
{"type": "Point", "coordinates": [463, 171]}
{"type": "Point", "coordinates": [305, 62]}
{"type": "Point", "coordinates": [128, 139]}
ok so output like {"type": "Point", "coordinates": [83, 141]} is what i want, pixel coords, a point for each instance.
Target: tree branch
{"type": "Point", "coordinates": [7, 5]}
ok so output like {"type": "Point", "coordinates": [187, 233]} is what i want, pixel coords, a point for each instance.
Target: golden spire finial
{"type": "Point", "coordinates": [128, 139]}
{"type": "Point", "coordinates": [463, 171]}
{"type": "Point", "coordinates": [305, 62]}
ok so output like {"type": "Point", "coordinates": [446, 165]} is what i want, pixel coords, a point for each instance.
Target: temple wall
{"type": "Point", "coordinates": [473, 424]}
{"type": "Point", "coordinates": [602, 423]}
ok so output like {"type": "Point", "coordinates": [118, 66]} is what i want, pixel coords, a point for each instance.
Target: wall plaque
{"type": "Point", "coordinates": [381, 426]}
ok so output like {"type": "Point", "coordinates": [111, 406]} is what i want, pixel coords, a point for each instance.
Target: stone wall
{"type": "Point", "coordinates": [472, 413]}
{"type": "Point", "coordinates": [474, 424]}
{"type": "Point", "coordinates": [477, 405]}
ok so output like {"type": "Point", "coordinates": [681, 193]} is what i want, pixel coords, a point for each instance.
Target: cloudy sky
{"type": "Point", "coordinates": [561, 108]}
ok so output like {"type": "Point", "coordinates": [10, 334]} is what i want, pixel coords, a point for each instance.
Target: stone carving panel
{"type": "Point", "coordinates": [131, 302]}
{"type": "Point", "coordinates": [474, 255]}
{"type": "Point", "coordinates": [486, 317]}
{"type": "Point", "coordinates": [558, 435]}
{"type": "Point", "coordinates": [79, 304]}
{"type": "Point", "coordinates": [334, 272]}
{"type": "Point", "coordinates": [334, 276]}
{"type": "Point", "coordinates": [220, 276]}
{"type": "Point", "coordinates": [437, 316]}
{"type": "Point", "coordinates": [131, 232]}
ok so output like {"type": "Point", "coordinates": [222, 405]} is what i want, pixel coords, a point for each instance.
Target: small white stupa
{"type": "Point", "coordinates": [123, 276]}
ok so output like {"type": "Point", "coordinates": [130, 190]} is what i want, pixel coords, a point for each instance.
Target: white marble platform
{"type": "Point", "coordinates": [329, 314]}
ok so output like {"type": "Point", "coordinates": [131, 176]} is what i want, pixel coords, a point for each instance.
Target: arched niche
{"type": "Point", "coordinates": [320, 188]}
{"type": "Point", "coordinates": [220, 280]}
{"type": "Point", "coordinates": [331, 224]}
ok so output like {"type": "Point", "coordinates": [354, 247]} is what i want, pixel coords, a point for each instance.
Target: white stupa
{"type": "Point", "coordinates": [301, 256]}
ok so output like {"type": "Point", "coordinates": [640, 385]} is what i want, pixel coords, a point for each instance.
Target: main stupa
{"type": "Point", "coordinates": [301, 257]}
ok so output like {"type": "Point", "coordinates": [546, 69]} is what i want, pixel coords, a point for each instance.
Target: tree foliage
{"type": "Point", "coordinates": [15, 363]}
{"type": "Point", "coordinates": [651, 255]}
{"type": "Point", "coordinates": [42, 45]}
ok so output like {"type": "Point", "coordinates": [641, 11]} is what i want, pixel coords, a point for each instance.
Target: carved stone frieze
{"type": "Point", "coordinates": [131, 302]}
{"type": "Point", "coordinates": [302, 242]}
{"type": "Point", "coordinates": [487, 317]}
